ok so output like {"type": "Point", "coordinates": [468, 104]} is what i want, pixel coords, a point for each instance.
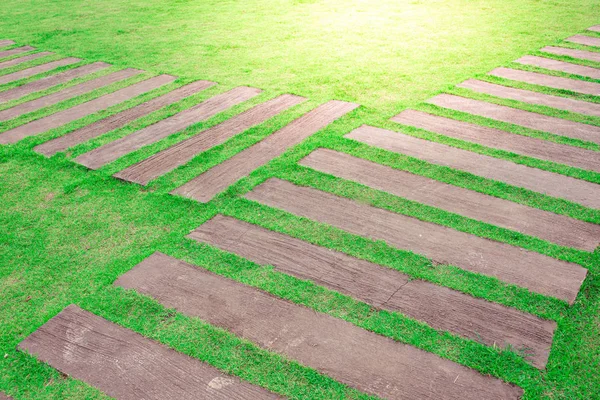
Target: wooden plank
{"type": "Point", "coordinates": [527, 96]}
{"type": "Point", "coordinates": [595, 28]}
{"type": "Point", "coordinates": [556, 65]}
{"type": "Point", "coordinates": [540, 122]}
{"type": "Point", "coordinates": [383, 288]}
{"type": "Point", "coordinates": [121, 119]}
{"type": "Point", "coordinates": [18, 50]}
{"type": "Point", "coordinates": [574, 53]}
{"type": "Point", "coordinates": [537, 180]}
{"type": "Point", "coordinates": [84, 109]}
{"type": "Point", "coordinates": [555, 228]}
{"type": "Point", "coordinates": [499, 139]}
{"type": "Point", "coordinates": [207, 185]}
{"type": "Point", "coordinates": [126, 365]}
{"type": "Point", "coordinates": [534, 271]}
{"type": "Point", "coordinates": [110, 152]}
{"type": "Point", "coordinates": [371, 363]}
{"type": "Point", "coordinates": [6, 42]}
{"type": "Point", "coordinates": [179, 154]}
{"type": "Point", "coordinates": [5, 397]}
{"type": "Point", "coordinates": [66, 94]}
{"type": "Point", "coordinates": [21, 60]}
{"type": "Point", "coordinates": [584, 40]}
{"type": "Point", "coordinates": [555, 82]}
{"type": "Point", "coordinates": [38, 69]}
{"type": "Point", "coordinates": [49, 81]}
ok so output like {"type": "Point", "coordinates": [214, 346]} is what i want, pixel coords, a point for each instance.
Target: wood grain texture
{"type": "Point", "coordinates": [207, 185]}
{"type": "Point", "coordinates": [119, 120]}
{"type": "Point", "coordinates": [575, 190]}
{"type": "Point", "coordinates": [84, 109]}
{"type": "Point", "coordinates": [499, 139]}
{"type": "Point", "coordinates": [556, 65]}
{"type": "Point", "coordinates": [359, 358]}
{"type": "Point", "coordinates": [443, 245]}
{"type": "Point", "coordinates": [38, 69]}
{"type": "Point", "coordinates": [540, 122]}
{"type": "Point", "coordinates": [110, 152]}
{"type": "Point", "coordinates": [381, 287]}
{"type": "Point", "coordinates": [530, 221]}
{"type": "Point", "coordinates": [584, 40]}
{"type": "Point", "coordinates": [180, 153]}
{"type": "Point", "coordinates": [66, 94]}
{"type": "Point", "coordinates": [527, 96]}
{"type": "Point", "coordinates": [550, 81]}
{"type": "Point", "coordinates": [21, 60]}
{"type": "Point", "coordinates": [49, 81]}
{"type": "Point", "coordinates": [18, 50]}
{"type": "Point", "coordinates": [574, 53]}
{"type": "Point", "coordinates": [126, 365]}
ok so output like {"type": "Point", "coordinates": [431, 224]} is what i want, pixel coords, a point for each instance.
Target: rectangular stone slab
{"type": "Point", "coordinates": [595, 28]}
{"type": "Point", "coordinates": [540, 122]}
{"type": "Point", "coordinates": [204, 187]}
{"type": "Point", "coordinates": [561, 66]}
{"type": "Point", "coordinates": [38, 69]}
{"type": "Point", "coordinates": [369, 362]}
{"type": "Point", "coordinates": [110, 152]}
{"type": "Point", "coordinates": [66, 94]}
{"type": "Point", "coordinates": [555, 228]}
{"type": "Point", "coordinates": [511, 264]}
{"type": "Point", "coordinates": [50, 81]}
{"type": "Point", "coordinates": [21, 60]}
{"type": "Point", "coordinates": [180, 153]}
{"type": "Point", "coordinates": [84, 109]}
{"type": "Point", "coordinates": [499, 139]}
{"type": "Point", "coordinates": [584, 40]}
{"type": "Point", "coordinates": [574, 53]}
{"type": "Point", "coordinates": [550, 81]}
{"type": "Point", "coordinates": [382, 287]}
{"type": "Point", "coordinates": [575, 190]}
{"type": "Point", "coordinates": [121, 119]}
{"type": "Point", "coordinates": [126, 365]}
{"type": "Point", "coordinates": [18, 50]}
{"type": "Point", "coordinates": [6, 42]}
{"type": "Point", "coordinates": [527, 96]}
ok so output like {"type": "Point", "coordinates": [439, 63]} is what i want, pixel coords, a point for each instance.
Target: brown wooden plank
{"type": "Point", "coordinates": [205, 186]}
{"type": "Point", "coordinates": [21, 60]}
{"type": "Point", "coordinates": [540, 122]}
{"type": "Point", "coordinates": [550, 81]}
{"type": "Point", "coordinates": [84, 109]}
{"type": "Point", "coordinates": [584, 40]}
{"type": "Point", "coordinates": [527, 96]}
{"type": "Point", "coordinates": [18, 50]}
{"type": "Point", "coordinates": [371, 363]}
{"type": "Point", "coordinates": [110, 152]}
{"type": "Point", "coordinates": [179, 154]}
{"type": "Point", "coordinates": [555, 228]}
{"type": "Point", "coordinates": [38, 69]}
{"type": "Point", "coordinates": [120, 119]}
{"type": "Point", "coordinates": [574, 53]}
{"type": "Point", "coordinates": [534, 271]}
{"type": "Point", "coordinates": [66, 94]}
{"type": "Point", "coordinates": [556, 65]}
{"type": "Point", "coordinates": [6, 42]}
{"type": "Point", "coordinates": [381, 287]}
{"type": "Point", "coordinates": [578, 191]}
{"type": "Point", "coordinates": [499, 139]}
{"type": "Point", "coordinates": [126, 365]}
{"type": "Point", "coordinates": [49, 81]}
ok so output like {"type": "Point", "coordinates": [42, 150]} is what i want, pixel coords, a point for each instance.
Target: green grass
{"type": "Point", "coordinates": [67, 233]}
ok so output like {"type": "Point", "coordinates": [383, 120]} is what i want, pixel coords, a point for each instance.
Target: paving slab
{"type": "Point", "coordinates": [537, 180]}
{"type": "Point", "coordinates": [38, 69]}
{"type": "Point", "coordinates": [50, 81]}
{"type": "Point", "coordinates": [180, 153]}
{"type": "Point", "coordinates": [21, 60]}
{"type": "Point", "coordinates": [556, 65]}
{"type": "Point", "coordinates": [207, 185]}
{"type": "Point", "coordinates": [499, 139]}
{"type": "Point", "coordinates": [110, 152]}
{"type": "Point", "coordinates": [555, 228]}
{"type": "Point", "coordinates": [126, 365]}
{"type": "Point", "coordinates": [527, 96]}
{"type": "Point", "coordinates": [584, 40]}
{"type": "Point", "coordinates": [4, 397]}
{"type": "Point", "coordinates": [84, 109]}
{"type": "Point", "coordinates": [595, 28]}
{"type": "Point", "coordinates": [574, 53]}
{"type": "Point", "coordinates": [540, 122]}
{"type": "Point", "coordinates": [18, 50]}
{"type": "Point", "coordinates": [550, 81]}
{"type": "Point", "coordinates": [66, 94]}
{"type": "Point", "coordinates": [369, 362]}
{"type": "Point", "coordinates": [6, 42]}
{"type": "Point", "coordinates": [381, 287]}
{"type": "Point", "coordinates": [121, 119]}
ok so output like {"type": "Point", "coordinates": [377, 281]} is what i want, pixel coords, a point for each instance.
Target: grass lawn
{"type": "Point", "coordinates": [67, 233]}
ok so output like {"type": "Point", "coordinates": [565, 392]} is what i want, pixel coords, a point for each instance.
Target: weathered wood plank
{"type": "Point", "coordinates": [556, 65]}
{"type": "Point", "coordinates": [18, 50]}
{"type": "Point", "coordinates": [550, 81]}
{"type": "Point", "coordinates": [38, 69]}
{"type": "Point", "coordinates": [574, 53]}
{"type": "Point", "coordinates": [584, 40]}
{"type": "Point", "coordinates": [6, 42]}
{"type": "Point", "coordinates": [21, 60]}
